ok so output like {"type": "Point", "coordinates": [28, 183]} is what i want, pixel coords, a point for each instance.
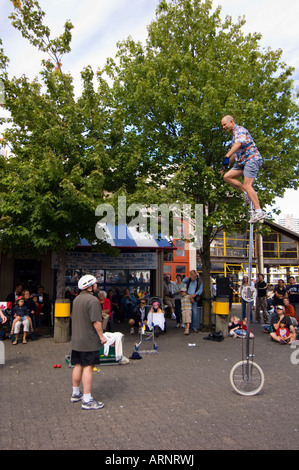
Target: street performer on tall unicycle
{"type": "Point", "coordinates": [248, 161]}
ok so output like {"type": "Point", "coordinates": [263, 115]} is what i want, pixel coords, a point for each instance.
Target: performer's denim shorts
{"type": "Point", "coordinates": [250, 169]}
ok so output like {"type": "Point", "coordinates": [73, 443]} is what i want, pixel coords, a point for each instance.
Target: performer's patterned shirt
{"type": "Point", "coordinates": [248, 149]}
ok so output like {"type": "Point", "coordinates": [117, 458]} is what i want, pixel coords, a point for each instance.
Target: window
{"type": "Point", "coordinates": [180, 270]}
{"type": "Point", "coordinates": [116, 276]}
{"type": "Point", "coordinates": [139, 277]}
{"type": "Point", "coordinates": [180, 245]}
{"type": "Point", "coordinates": [167, 269]}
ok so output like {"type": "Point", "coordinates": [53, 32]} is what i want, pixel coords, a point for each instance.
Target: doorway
{"type": "Point", "coordinates": [28, 273]}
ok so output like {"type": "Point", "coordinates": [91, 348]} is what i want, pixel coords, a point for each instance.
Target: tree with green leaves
{"type": "Point", "coordinates": [54, 176]}
{"type": "Point", "coordinates": [171, 94]}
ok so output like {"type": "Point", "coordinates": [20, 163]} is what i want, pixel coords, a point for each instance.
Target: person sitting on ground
{"type": "Point", "coordinates": [283, 333]}
{"type": "Point", "coordinates": [290, 311]}
{"type": "Point", "coordinates": [234, 324]}
{"type": "Point", "coordinates": [138, 317]}
{"type": "Point", "coordinates": [244, 328]}
{"type": "Point", "coordinates": [19, 314]}
{"type": "Point", "coordinates": [277, 319]}
{"type": "Point", "coordinates": [156, 319]}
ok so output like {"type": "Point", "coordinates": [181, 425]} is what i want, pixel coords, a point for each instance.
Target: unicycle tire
{"type": "Point", "coordinates": [247, 385]}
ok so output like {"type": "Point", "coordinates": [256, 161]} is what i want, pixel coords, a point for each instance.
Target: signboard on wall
{"type": "Point", "coordinates": [93, 261]}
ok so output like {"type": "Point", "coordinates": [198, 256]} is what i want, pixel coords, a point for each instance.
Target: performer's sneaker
{"type": "Point", "coordinates": [257, 216]}
{"type": "Point", "coordinates": [76, 397]}
{"type": "Point", "coordinates": [92, 405]}
{"type": "Point", "coordinates": [246, 200]}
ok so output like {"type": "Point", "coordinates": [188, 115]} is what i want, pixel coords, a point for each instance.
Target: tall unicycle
{"type": "Point", "coordinates": [247, 377]}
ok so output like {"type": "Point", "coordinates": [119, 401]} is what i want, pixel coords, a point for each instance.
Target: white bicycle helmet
{"type": "Point", "coordinates": [86, 281]}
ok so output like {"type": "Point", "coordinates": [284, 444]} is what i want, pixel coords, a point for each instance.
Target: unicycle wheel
{"type": "Point", "coordinates": [247, 378]}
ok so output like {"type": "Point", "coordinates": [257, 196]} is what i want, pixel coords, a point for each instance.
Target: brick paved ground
{"type": "Point", "coordinates": [178, 399]}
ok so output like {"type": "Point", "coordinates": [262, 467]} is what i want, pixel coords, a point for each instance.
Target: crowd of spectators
{"type": "Point", "coordinates": [24, 307]}
{"type": "Point", "coordinates": [276, 305]}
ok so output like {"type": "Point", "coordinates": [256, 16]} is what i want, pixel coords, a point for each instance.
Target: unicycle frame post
{"type": "Point", "coordinates": [249, 304]}
{"type": "Point", "coordinates": [247, 377]}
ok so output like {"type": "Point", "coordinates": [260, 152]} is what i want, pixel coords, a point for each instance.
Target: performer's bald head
{"type": "Point", "coordinates": [228, 123]}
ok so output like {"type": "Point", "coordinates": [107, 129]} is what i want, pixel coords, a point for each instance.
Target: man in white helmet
{"type": "Point", "coordinates": [87, 336]}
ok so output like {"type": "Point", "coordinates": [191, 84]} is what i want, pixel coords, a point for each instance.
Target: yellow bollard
{"type": "Point", "coordinates": [62, 313]}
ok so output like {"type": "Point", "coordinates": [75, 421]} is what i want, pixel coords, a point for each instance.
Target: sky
{"type": "Point", "coordinates": [100, 24]}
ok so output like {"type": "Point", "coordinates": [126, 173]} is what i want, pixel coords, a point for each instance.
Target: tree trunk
{"type": "Point", "coordinates": [206, 278]}
{"type": "Point", "coordinates": [62, 308]}
{"type": "Point", "coordinates": [60, 289]}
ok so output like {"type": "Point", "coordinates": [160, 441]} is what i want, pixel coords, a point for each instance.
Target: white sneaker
{"type": "Point", "coordinates": [257, 216]}
{"type": "Point", "coordinates": [92, 405]}
{"type": "Point", "coordinates": [132, 331]}
{"type": "Point", "coordinates": [75, 398]}
{"type": "Point", "coordinates": [246, 200]}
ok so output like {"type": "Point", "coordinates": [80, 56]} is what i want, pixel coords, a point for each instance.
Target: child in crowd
{"type": "Point", "coordinates": [244, 328]}
{"type": "Point", "coordinates": [235, 327]}
{"type": "Point", "coordinates": [20, 313]}
{"type": "Point", "coordinates": [283, 333]}
{"type": "Point", "coordinates": [38, 307]}
{"type": "Point", "coordinates": [186, 308]}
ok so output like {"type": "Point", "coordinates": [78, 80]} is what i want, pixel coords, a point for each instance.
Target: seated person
{"type": "Point", "coordinates": [20, 314]}
{"type": "Point", "coordinates": [3, 318]}
{"type": "Point", "coordinates": [283, 333]}
{"type": "Point", "coordinates": [156, 319]}
{"type": "Point", "coordinates": [279, 317]}
{"type": "Point", "coordinates": [290, 311]}
{"type": "Point", "coordinates": [3, 321]}
{"type": "Point", "coordinates": [127, 303]}
{"type": "Point", "coordinates": [38, 307]}
{"type": "Point", "coordinates": [106, 308]}
{"type": "Point", "coordinates": [235, 327]}
{"type": "Point", "coordinates": [138, 316]}
{"type": "Point", "coordinates": [244, 328]}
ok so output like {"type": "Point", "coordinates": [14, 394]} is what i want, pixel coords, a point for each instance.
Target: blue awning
{"type": "Point", "coordinates": [122, 236]}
